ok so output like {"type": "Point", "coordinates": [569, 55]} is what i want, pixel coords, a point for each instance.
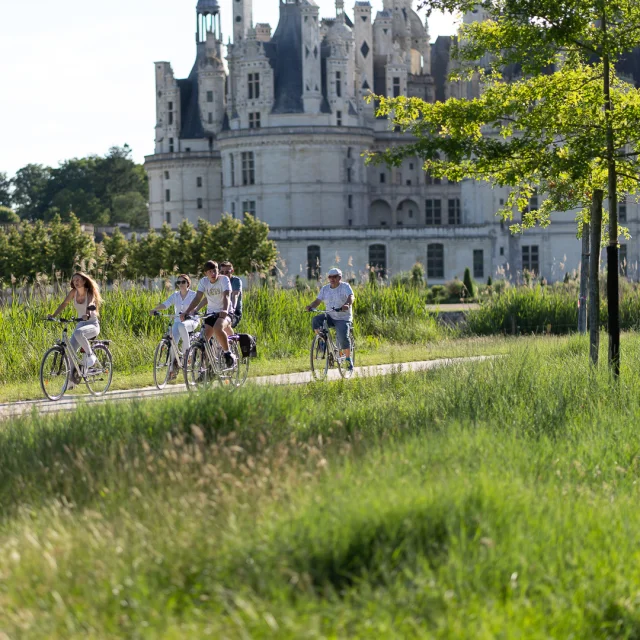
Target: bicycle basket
{"type": "Point", "coordinates": [247, 345]}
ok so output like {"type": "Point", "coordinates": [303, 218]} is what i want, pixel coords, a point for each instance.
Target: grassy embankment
{"type": "Point", "coordinates": [477, 501]}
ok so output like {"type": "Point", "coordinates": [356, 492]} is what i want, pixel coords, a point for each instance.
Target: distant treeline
{"type": "Point", "coordinates": [53, 250]}
{"type": "Point", "coordinates": [97, 189]}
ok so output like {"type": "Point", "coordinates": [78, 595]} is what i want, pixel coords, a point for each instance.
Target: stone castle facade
{"type": "Point", "coordinates": [279, 132]}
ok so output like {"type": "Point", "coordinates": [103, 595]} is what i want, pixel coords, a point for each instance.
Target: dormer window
{"type": "Point", "coordinates": [396, 87]}
{"type": "Point", "coordinates": [254, 120]}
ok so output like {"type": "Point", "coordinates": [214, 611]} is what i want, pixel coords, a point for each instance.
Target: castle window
{"type": "Point", "coordinates": [478, 263]}
{"type": "Point", "coordinates": [209, 96]}
{"type": "Point", "coordinates": [350, 201]}
{"type": "Point", "coordinates": [435, 261]}
{"type": "Point", "coordinates": [233, 209]}
{"type": "Point", "coordinates": [233, 170]}
{"type": "Point", "coordinates": [339, 118]}
{"type": "Point", "coordinates": [454, 211]}
{"type": "Point", "coordinates": [531, 258]}
{"type": "Point", "coordinates": [168, 217]}
{"type": "Point", "coordinates": [170, 145]}
{"type": "Point", "coordinates": [248, 168]}
{"type": "Point", "coordinates": [210, 117]}
{"type": "Point", "coordinates": [378, 259]}
{"type": "Point", "coordinates": [253, 86]}
{"type": "Point", "coordinates": [167, 195]}
{"type": "Point", "coordinates": [249, 206]}
{"type": "Point", "coordinates": [166, 175]}
{"type": "Point", "coordinates": [313, 262]}
{"type": "Point", "coordinates": [254, 120]}
{"type": "Point", "coordinates": [396, 87]}
{"type": "Point", "coordinates": [434, 211]}
{"type": "Point", "coordinates": [199, 201]}
{"type": "Point", "coordinates": [622, 213]}
{"type": "Point", "coordinates": [170, 117]}
{"type": "Point", "coordinates": [383, 178]}
{"type": "Point", "coordinates": [199, 181]}
{"type": "Point", "coordinates": [349, 152]}
{"type": "Point", "coordinates": [338, 84]}
{"type": "Point", "coordinates": [348, 174]}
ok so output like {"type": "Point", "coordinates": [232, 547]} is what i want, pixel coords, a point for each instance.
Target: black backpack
{"type": "Point", "coordinates": [247, 345]}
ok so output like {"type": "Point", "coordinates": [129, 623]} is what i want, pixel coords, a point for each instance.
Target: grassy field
{"type": "Point", "coordinates": [490, 500]}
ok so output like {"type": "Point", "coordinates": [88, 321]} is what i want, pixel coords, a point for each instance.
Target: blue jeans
{"type": "Point", "coordinates": [342, 329]}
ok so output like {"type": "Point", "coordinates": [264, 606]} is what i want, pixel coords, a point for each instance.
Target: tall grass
{"type": "Point", "coordinates": [464, 503]}
{"type": "Point", "coordinates": [545, 309]}
{"type": "Point", "coordinates": [275, 316]}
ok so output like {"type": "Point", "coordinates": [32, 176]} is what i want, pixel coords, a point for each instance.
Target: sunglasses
{"type": "Point", "coordinates": [181, 282]}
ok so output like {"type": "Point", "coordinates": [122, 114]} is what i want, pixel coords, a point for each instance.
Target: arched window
{"type": "Point", "coordinates": [435, 261]}
{"type": "Point", "coordinates": [313, 262]}
{"type": "Point", "coordinates": [378, 259]}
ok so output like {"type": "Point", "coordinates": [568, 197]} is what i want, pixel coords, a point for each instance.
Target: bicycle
{"type": "Point", "coordinates": [325, 352]}
{"type": "Point", "coordinates": [60, 363]}
{"type": "Point", "coordinates": [167, 358]}
{"type": "Point", "coordinates": [204, 363]}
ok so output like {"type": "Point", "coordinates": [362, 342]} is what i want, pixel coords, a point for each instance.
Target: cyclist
{"type": "Point", "coordinates": [217, 289]}
{"type": "Point", "coordinates": [336, 295]}
{"type": "Point", "coordinates": [180, 299]}
{"type": "Point", "coordinates": [226, 269]}
{"type": "Point", "coordinates": [84, 293]}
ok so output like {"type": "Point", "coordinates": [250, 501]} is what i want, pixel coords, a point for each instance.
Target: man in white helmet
{"type": "Point", "coordinates": [336, 295]}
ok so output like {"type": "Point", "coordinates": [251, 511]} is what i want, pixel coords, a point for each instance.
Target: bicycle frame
{"type": "Point", "coordinates": [64, 343]}
{"type": "Point", "coordinates": [328, 336]}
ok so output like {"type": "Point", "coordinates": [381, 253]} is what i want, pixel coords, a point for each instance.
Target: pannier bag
{"type": "Point", "coordinates": [247, 345]}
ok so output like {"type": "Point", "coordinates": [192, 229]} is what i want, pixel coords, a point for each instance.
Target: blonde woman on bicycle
{"type": "Point", "coordinates": [84, 293]}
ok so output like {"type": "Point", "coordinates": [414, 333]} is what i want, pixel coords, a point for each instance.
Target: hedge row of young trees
{"type": "Point", "coordinates": [57, 249]}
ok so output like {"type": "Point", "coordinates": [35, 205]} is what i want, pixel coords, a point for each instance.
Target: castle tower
{"type": "Point", "coordinates": [363, 33]}
{"type": "Point", "coordinates": [311, 58]}
{"type": "Point", "coordinates": [242, 19]}
{"type": "Point", "coordinates": [426, 51]}
{"type": "Point", "coordinates": [167, 109]}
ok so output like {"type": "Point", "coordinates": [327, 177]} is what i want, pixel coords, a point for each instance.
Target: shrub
{"type": "Point", "coordinates": [469, 284]}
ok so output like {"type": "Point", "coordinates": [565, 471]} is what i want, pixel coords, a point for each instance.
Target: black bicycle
{"type": "Point", "coordinates": [326, 354]}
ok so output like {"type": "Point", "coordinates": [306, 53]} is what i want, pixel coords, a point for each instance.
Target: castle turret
{"type": "Point", "coordinates": [311, 57]}
{"type": "Point", "coordinates": [242, 19]}
{"type": "Point", "coordinates": [167, 109]}
{"type": "Point", "coordinates": [363, 33]}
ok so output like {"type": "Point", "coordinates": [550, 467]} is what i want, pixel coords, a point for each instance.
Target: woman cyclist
{"type": "Point", "coordinates": [181, 299]}
{"type": "Point", "coordinates": [85, 295]}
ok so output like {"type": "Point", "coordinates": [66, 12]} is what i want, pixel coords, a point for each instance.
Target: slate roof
{"type": "Point", "coordinates": [191, 125]}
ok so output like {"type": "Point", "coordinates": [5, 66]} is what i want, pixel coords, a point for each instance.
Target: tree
{"type": "Point", "coordinates": [583, 37]}
{"type": "Point", "coordinates": [115, 255]}
{"type": "Point", "coordinates": [8, 216]}
{"type": "Point", "coordinates": [252, 251]}
{"type": "Point", "coordinates": [130, 207]}
{"type": "Point", "coordinates": [30, 191]}
{"type": "Point", "coordinates": [469, 284]}
{"type": "Point", "coordinates": [5, 190]}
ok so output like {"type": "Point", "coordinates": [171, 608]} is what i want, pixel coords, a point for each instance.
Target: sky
{"type": "Point", "coordinates": [75, 80]}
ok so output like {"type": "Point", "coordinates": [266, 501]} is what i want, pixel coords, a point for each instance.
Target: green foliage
{"type": "Point", "coordinates": [8, 216]}
{"type": "Point", "coordinates": [5, 190]}
{"type": "Point", "coordinates": [469, 284]}
{"type": "Point", "coordinates": [417, 276]}
{"type": "Point", "coordinates": [97, 189]}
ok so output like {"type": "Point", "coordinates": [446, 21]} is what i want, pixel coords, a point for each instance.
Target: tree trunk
{"type": "Point", "coordinates": [594, 275]}
{"type": "Point", "coordinates": [613, 302]}
{"type": "Point", "coordinates": [584, 280]}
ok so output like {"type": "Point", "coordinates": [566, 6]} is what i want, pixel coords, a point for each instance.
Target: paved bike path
{"type": "Point", "coordinates": [70, 402]}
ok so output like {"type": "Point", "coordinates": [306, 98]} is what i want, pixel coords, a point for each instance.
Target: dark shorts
{"type": "Point", "coordinates": [213, 318]}
{"type": "Point", "coordinates": [235, 320]}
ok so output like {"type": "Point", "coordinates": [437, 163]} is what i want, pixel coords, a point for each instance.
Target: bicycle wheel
{"type": "Point", "coordinates": [236, 376]}
{"type": "Point", "coordinates": [161, 364]}
{"type": "Point", "coordinates": [98, 377]}
{"type": "Point", "coordinates": [320, 357]}
{"type": "Point", "coordinates": [55, 372]}
{"type": "Point", "coordinates": [196, 367]}
{"type": "Point", "coordinates": [345, 372]}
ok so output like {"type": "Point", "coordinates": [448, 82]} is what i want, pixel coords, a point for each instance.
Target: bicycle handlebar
{"type": "Point", "coordinates": [65, 320]}
{"type": "Point", "coordinates": [323, 311]}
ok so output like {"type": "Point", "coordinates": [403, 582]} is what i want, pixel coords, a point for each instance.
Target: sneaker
{"type": "Point", "coordinates": [229, 358]}
{"type": "Point", "coordinates": [349, 364]}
